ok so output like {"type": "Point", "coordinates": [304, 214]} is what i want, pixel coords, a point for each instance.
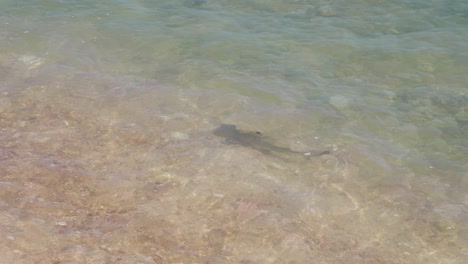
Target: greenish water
{"type": "Point", "coordinates": [107, 110]}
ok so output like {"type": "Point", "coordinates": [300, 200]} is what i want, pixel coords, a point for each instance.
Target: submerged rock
{"type": "Point", "coordinates": [31, 62]}
{"type": "Point", "coordinates": [340, 102]}
{"type": "Point", "coordinates": [194, 3]}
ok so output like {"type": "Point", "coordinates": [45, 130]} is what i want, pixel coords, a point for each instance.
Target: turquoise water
{"type": "Point", "coordinates": [107, 109]}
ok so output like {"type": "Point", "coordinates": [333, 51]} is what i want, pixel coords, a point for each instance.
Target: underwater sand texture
{"type": "Point", "coordinates": [94, 171]}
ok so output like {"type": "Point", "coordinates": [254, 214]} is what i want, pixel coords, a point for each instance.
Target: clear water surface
{"type": "Point", "coordinates": [107, 110]}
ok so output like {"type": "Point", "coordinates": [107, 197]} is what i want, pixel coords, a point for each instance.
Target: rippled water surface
{"type": "Point", "coordinates": [107, 113]}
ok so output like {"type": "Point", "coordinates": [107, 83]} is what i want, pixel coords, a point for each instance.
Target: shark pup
{"type": "Point", "coordinates": [255, 140]}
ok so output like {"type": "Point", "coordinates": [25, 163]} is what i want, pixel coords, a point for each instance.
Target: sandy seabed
{"type": "Point", "coordinates": [95, 170]}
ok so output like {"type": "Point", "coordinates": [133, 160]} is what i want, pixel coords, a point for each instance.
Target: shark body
{"type": "Point", "coordinates": [255, 140]}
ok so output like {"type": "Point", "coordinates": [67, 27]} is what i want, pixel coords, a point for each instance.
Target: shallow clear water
{"type": "Point", "coordinates": [107, 110]}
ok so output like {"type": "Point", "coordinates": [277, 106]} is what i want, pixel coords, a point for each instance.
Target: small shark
{"type": "Point", "coordinates": [255, 140]}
